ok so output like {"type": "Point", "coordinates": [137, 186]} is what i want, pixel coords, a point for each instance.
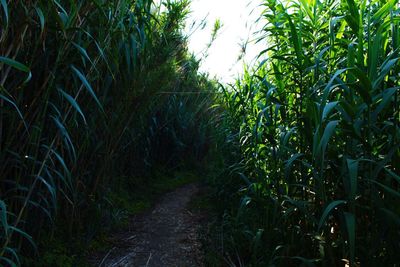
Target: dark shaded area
{"type": "Point", "coordinates": [166, 235]}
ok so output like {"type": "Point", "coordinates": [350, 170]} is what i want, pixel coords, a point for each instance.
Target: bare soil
{"type": "Point", "coordinates": [165, 236]}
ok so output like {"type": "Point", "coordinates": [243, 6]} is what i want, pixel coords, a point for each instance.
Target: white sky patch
{"type": "Point", "coordinates": [239, 22]}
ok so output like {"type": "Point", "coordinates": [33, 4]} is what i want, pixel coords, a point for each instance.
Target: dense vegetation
{"type": "Point", "coordinates": [98, 97]}
{"type": "Point", "coordinates": [92, 100]}
{"type": "Point", "coordinates": [315, 132]}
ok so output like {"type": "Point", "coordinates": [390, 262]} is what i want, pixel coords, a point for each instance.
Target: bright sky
{"type": "Point", "coordinates": [238, 18]}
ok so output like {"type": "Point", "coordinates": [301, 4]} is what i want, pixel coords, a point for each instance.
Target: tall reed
{"type": "Point", "coordinates": [81, 83]}
{"type": "Point", "coordinates": [317, 123]}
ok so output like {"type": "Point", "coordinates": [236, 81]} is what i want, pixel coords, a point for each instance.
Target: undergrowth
{"type": "Point", "coordinates": [94, 96]}
{"type": "Point", "coordinates": [122, 204]}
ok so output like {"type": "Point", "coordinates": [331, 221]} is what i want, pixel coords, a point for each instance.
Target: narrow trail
{"type": "Point", "coordinates": [165, 236]}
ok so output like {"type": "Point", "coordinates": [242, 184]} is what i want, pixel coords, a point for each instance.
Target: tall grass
{"type": "Point", "coordinates": [317, 126]}
{"type": "Point", "coordinates": [94, 90]}
{"type": "Point", "coordinates": [81, 87]}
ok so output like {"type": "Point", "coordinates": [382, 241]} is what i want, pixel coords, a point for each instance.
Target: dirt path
{"type": "Point", "coordinates": [165, 236]}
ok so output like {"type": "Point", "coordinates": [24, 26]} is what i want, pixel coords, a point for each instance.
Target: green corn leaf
{"type": "Point", "coordinates": [341, 30]}
{"type": "Point", "coordinates": [328, 109]}
{"type": "Point", "coordinates": [316, 138]}
{"type": "Point", "coordinates": [384, 70]}
{"type": "Point", "coordinates": [352, 166]}
{"type": "Point", "coordinates": [60, 7]}
{"type": "Point", "coordinates": [25, 235]}
{"type": "Point", "coordinates": [49, 187]}
{"type": "Point", "coordinates": [82, 51]}
{"type": "Point", "coordinates": [15, 64]}
{"type": "Point", "coordinates": [351, 232]}
{"type": "Point", "coordinates": [365, 87]}
{"type": "Point", "coordinates": [290, 162]}
{"type": "Point", "coordinates": [384, 11]}
{"type": "Point", "coordinates": [374, 55]}
{"type": "Point", "coordinates": [330, 85]}
{"type": "Point", "coordinates": [394, 25]}
{"type": "Point", "coordinates": [295, 39]}
{"type": "Point", "coordinates": [41, 18]}
{"type": "Point", "coordinates": [73, 103]}
{"type": "Point", "coordinates": [13, 252]}
{"type": "Point", "coordinates": [87, 85]}
{"type": "Point", "coordinates": [66, 179]}
{"type": "Point", "coordinates": [57, 15]}
{"type": "Point", "coordinates": [65, 135]}
{"type": "Point", "coordinates": [353, 19]}
{"type": "Point", "coordinates": [393, 174]}
{"type": "Point", "coordinates": [387, 188]}
{"type": "Point", "coordinates": [14, 105]}
{"type": "Point", "coordinates": [3, 217]}
{"type": "Point", "coordinates": [349, 109]}
{"type": "Point", "coordinates": [387, 66]}
{"type": "Point", "coordinates": [62, 14]}
{"type": "Point", "coordinates": [5, 9]}
{"type": "Point", "coordinates": [307, 8]}
{"type": "Point", "coordinates": [245, 201]}
{"type": "Point", "coordinates": [351, 57]}
{"type": "Point", "coordinates": [354, 10]}
{"type": "Point", "coordinates": [386, 98]}
{"type": "Point", "coordinates": [60, 126]}
{"type": "Point", "coordinates": [328, 132]}
{"type": "Point", "coordinates": [353, 23]}
{"type": "Point", "coordinates": [287, 135]}
{"type": "Point", "coordinates": [328, 210]}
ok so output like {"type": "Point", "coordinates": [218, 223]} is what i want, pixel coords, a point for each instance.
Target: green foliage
{"type": "Point", "coordinates": [96, 96]}
{"type": "Point", "coordinates": [312, 135]}
{"type": "Point", "coordinates": [90, 91]}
